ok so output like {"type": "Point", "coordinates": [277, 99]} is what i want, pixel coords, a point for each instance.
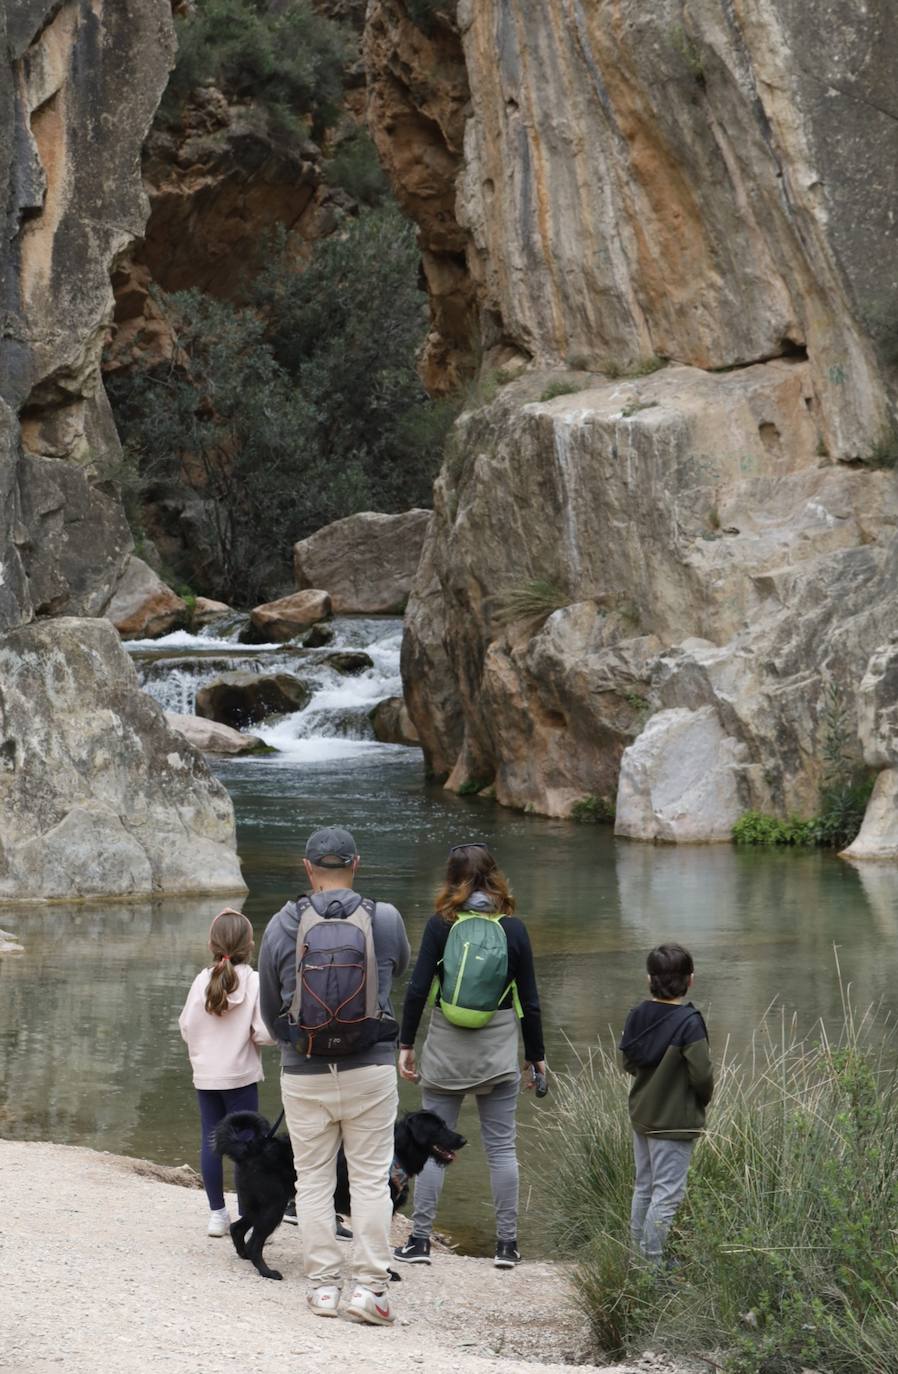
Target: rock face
{"type": "Point", "coordinates": [207, 612]}
{"type": "Point", "coordinates": [680, 780]}
{"type": "Point", "coordinates": [878, 838]}
{"type": "Point", "coordinates": [210, 736]}
{"type": "Point", "coordinates": [639, 185]}
{"type": "Point", "coordinates": [72, 203]}
{"type": "Point", "coordinates": [281, 620]}
{"type": "Point", "coordinates": [239, 699]}
{"type": "Point", "coordinates": [98, 798]}
{"type": "Point", "coordinates": [392, 723]}
{"type": "Point", "coordinates": [142, 606]}
{"type": "Point", "coordinates": [878, 708]}
{"type": "Point", "coordinates": [367, 561]}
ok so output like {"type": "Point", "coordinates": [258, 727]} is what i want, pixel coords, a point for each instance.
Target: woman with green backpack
{"type": "Point", "coordinates": [475, 966]}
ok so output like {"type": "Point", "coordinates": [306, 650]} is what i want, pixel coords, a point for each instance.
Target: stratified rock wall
{"type": "Point", "coordinates": [713, 186]}
{"type": "Point", "coordinates": [82, 83]}
{"type": "Point", "coordinates": [99, 797]}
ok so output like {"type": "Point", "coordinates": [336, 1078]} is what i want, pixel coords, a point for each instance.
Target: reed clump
{"type": "Point", "coordinates": [785, 1253]}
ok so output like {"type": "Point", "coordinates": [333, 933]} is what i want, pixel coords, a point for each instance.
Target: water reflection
{"type": "Point", "coordinates": [89, 1048]}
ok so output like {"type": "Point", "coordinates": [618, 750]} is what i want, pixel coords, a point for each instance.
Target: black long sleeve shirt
{"type": "Point", "coordinates": [520, 972]}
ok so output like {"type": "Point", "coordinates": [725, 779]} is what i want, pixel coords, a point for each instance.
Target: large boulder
{"type": "Point", "coordinates": [98, 797]}
{"type": "Point", "coordinates": [243, 698]}
{"type": "Point", "coordinates": [211, 737]}
{"type": "Point", "coordinates": [207, 612]}
{"type": "Point", "coordinates": [283, 619]}
{"type": "Point", "coordinates": [392, 723]}
{"type": "Point", "coordinates": [679, 782]}
{"type": "Point", "coordinates": [367, 561]}
{"type": "Point", "coordinates": [878, 836]}
{"type": "Point", "coordinates": [142, 606]}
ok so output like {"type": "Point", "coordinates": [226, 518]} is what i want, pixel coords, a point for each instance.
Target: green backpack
{"type": "Point", "coordinates": [474, 977]}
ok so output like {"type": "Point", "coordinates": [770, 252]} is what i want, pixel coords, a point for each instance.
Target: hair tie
{"type": "Point", "coordinates": [224, 956]}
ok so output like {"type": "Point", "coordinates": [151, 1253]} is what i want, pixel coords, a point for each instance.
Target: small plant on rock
{"type": "Point", "coordinates": [560, 389]}
{"type": "Point", "coordinates": [534, 600]}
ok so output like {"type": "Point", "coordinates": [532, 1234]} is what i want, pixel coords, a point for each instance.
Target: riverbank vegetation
{"type": "Point", "coordinates": [785, 1252]}
{"type": "Point", "coordinates": [844, 793]}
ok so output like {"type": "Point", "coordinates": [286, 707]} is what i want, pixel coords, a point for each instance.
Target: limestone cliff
{"type": "Point", "coordinates": [706, 185]}
{"type": "Point", "coordinates": [82, 80]}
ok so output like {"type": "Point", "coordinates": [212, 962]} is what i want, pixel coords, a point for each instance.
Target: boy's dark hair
{"type": "Point", "coordinates": [669, 968]}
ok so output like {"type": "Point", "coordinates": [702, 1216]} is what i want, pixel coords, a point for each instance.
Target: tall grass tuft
{"type": "Point", "coordinates": [785, 1252]}
{"type": "Point", "coordinates": [533, 600]}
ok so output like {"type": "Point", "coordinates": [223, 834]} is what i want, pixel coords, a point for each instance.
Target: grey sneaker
{"type": "Point", "coordinates": [290, 1216]}
{"type": "Point", "coordinates": [507, 1254]}
{"type": "Point", "coordinates": [416, 1250]}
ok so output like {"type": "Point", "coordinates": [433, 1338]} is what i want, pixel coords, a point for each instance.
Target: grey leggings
{"type": "Point", "coordinates": [498, 1127]}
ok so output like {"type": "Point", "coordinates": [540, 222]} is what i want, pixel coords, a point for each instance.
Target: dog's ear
{"type": "Point", "coordinates": [422, 1127]}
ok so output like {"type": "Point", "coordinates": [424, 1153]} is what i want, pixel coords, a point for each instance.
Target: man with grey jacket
{"type": "Point", "coordinates": [331, 1101]}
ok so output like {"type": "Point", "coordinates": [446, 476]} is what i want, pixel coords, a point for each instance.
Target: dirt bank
{"type": "Point", "coordinates": [103, 1269]}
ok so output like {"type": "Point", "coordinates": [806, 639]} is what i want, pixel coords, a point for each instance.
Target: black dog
{"type": "Point", "coordinates": [266, 1179]}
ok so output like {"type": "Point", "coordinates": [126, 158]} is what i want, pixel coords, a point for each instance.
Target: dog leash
{"type": "Point", "coordinates": [274, 1128]}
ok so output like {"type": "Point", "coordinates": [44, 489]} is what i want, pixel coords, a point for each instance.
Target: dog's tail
{"type": "Point", "coordinates": [240, 1134]}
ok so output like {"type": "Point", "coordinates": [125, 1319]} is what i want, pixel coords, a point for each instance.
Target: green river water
{"type": "Point", "coordinates": [89, 1048]}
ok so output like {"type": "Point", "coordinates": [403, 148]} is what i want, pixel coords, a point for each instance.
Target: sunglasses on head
{"type": "Point", "coordinates": [469, 844]}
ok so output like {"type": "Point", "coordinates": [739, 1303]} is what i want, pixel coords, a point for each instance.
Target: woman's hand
{"type": "Point", "coordinates": [539, 1065]}
{"type": "Point", "coordinates": [407, 1067]}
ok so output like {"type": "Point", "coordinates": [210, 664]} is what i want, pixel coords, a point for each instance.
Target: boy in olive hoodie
{"type": "Point", "coordinates": [665, 1047]}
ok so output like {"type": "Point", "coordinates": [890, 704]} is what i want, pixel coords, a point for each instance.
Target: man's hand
{"type": "Point", "coordinates": [538, 1064]}
{"type": "Point", "coordinates": [407, 1066]}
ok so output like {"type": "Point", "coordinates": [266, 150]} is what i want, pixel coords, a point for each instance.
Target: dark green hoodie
{"type": "Point", "coordinates": [665, 1048]}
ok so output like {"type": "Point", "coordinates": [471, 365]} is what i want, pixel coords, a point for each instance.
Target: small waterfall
{"type": "Point", "coordinates": [335, 722]}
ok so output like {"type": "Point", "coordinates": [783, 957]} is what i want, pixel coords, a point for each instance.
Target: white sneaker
{"type": "Point", "coordinates": [219, 1223]}
{"type": "Point", "coordinates": [324, 1301]}
{"type": "Point", "coordinates": [367, 1306]}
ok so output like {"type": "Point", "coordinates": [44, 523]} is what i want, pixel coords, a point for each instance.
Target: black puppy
{"type": "Point", "coordinates": [266, 1179]}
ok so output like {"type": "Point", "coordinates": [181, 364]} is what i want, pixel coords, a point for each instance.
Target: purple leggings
{"type": "Point", "coordinates": [214, 1106]}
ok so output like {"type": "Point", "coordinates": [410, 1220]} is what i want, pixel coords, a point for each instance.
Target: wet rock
{"type": "Point", "coordinates": [98, 797]}
{"type": "Point", "coordinates": [242, 698]}
{"type": "Point", "coordinates": [142, 606]}
{"type": "Point", "coordinates": [679, 782]}
{"type": "Point", "coordinates": [349, 661]}
{"type": "Point", "coordinates": [283, 619]}
{"type": "Point", "coordinates": [367, 561]}
{"type": "Point", "coordinates": [209, 612]}
{"type": "Point", "coordinates": [392, 723]}
{"type": "Point", "coordinates": [211, 737]}
{"type": "Point", "coordinates": [320, 635]}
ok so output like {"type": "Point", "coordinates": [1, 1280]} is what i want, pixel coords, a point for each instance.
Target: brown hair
{"type": "Point", "coordinates": [231, 942]}
{"type": "Point", "coordinates": [472, 868]}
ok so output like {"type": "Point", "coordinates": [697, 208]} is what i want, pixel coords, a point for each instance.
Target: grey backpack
{"type": "Point", "coordinates": [335, 1010]}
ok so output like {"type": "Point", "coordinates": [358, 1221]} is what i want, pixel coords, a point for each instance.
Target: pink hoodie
{"type": "Point", "coordinates": [224, 1049]}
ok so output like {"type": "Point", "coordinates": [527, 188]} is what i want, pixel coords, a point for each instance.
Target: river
{"type": "Point", "coordinates": [89, 1049]}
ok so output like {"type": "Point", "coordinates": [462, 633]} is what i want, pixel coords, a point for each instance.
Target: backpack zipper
{"type": "Point", "coordinates": [461, 974]}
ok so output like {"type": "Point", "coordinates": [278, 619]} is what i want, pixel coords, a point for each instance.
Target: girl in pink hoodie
{"type": "Point", "coordinates": [223, 1027]}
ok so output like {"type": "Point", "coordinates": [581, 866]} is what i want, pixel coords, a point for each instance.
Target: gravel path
{"type": "Point", "coordinates": [105, 1271]}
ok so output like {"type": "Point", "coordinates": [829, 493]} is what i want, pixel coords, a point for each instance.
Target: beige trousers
{"type": "Point", "coordinates": [355, 1108]}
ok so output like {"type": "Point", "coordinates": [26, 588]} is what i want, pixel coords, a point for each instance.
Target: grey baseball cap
{"type": "Point", "coordinates": [331, 848]}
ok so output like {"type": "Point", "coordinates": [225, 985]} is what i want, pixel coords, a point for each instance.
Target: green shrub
{"type": "Point", "coordinates": [471, 786]}
{"type": "Point", "coordinates": [298, 409]}
{"type": "Point", "coordinates": [355, 168]}
{"type": "Point", "coordinates": [636, 406]}
{"type": "Point", "coordinates": [534, 600]}
{"type": "Point", "coordinates": [791, 1214]}
{"type": "Point", "coordinates": [754, 827]}
{"type": "Point", "coordinates": [560, 389]}
{"type": "Point", "coordinates": [285, 57]}
{"type": "Point", "coordinates": [592, 810]}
